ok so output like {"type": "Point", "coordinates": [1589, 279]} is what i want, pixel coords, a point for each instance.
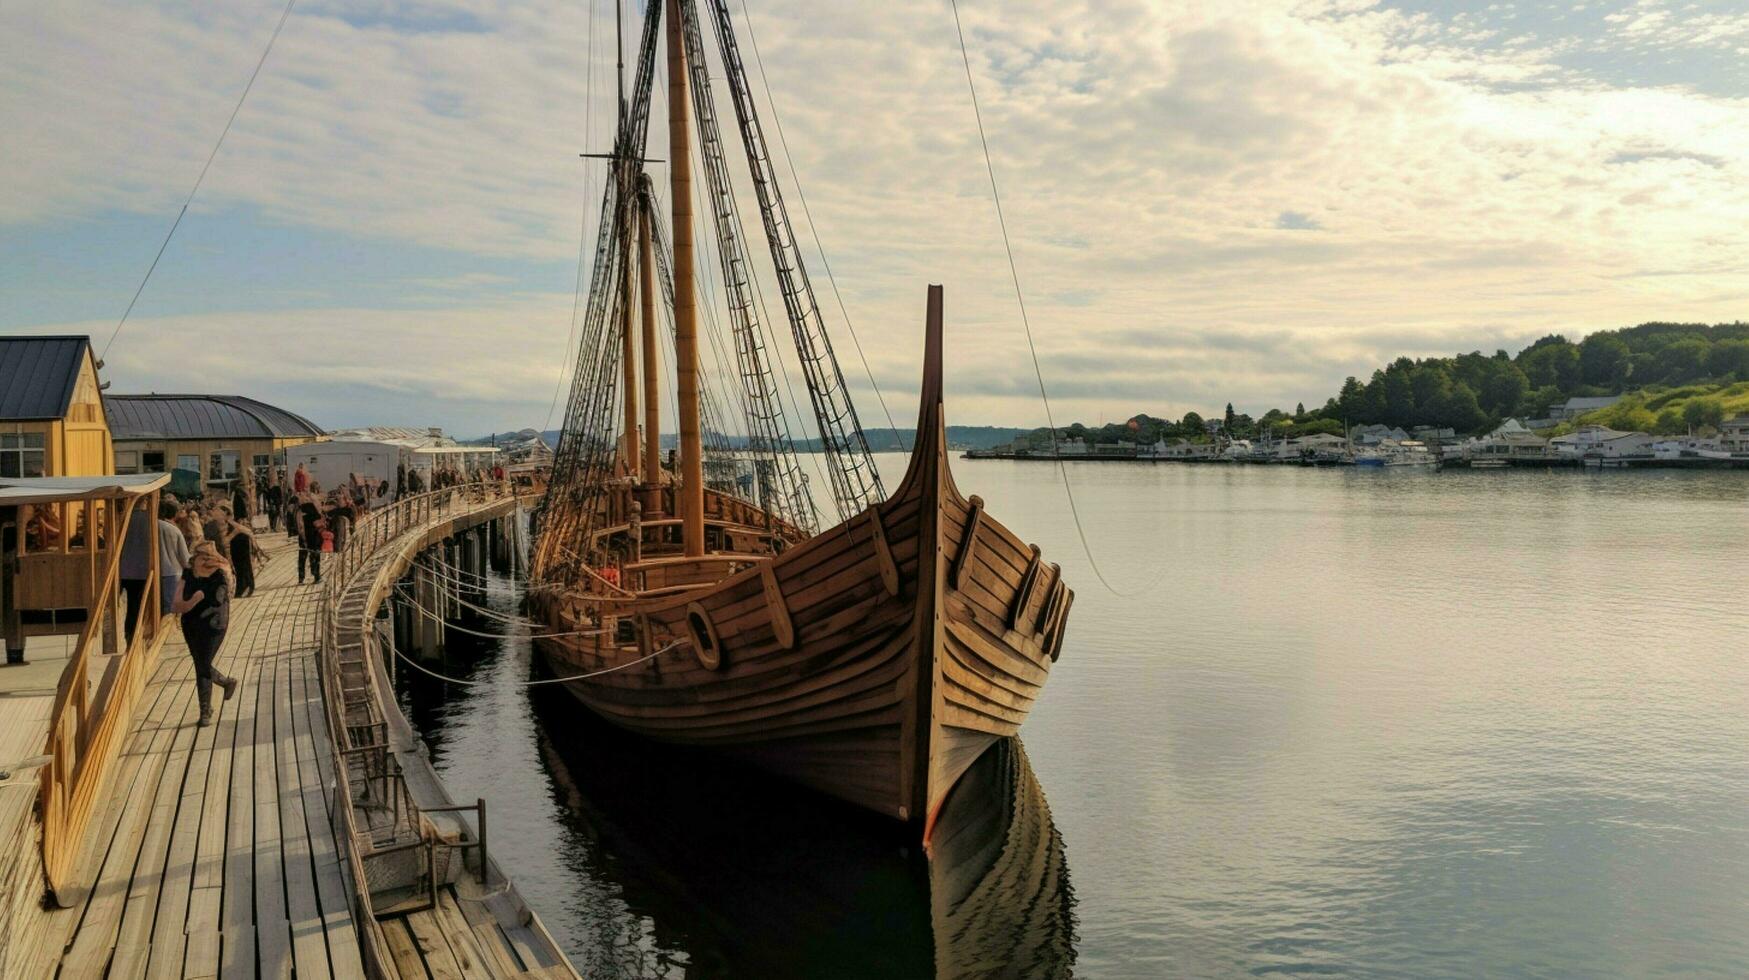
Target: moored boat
{"type": "Point", "coordinates": [874, 660]}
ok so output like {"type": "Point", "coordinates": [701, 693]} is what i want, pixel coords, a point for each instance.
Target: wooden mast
{"type": "Point", "coordinates": [652, 402]}
{"type": "Point", "coordinates": [628, 354]}
{"type": "Point", "coordinates": [685, 304]}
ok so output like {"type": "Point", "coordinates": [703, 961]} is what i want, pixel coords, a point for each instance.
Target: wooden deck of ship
{"type": "Point", "coordinates": [215, 851]}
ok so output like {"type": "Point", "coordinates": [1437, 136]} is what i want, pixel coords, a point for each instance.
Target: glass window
{"type": "Point", "coordinates": [21, 454]}
{"type": "Point", "coordinates": [222, 465]}
{"type": "Point", "coordinates": [152, 461]}
{"type": "Point", "coordinates": [127, 461]}
{"type": "Point", "coordinates": [188, 462]}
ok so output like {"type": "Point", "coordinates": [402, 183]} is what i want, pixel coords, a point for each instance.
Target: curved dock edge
{"type": "Point", "coordinates": [423, 888]}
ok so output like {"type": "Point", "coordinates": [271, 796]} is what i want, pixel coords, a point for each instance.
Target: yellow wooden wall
{"type": "Point", "coordinates": [85, 448]}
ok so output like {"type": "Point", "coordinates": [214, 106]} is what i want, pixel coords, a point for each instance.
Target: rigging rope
{"type": "Point", "coordinates": [801, 195]}
{"type": "Point", "coordinates": [198, 180]}
{"type": "Point", "coordinates": [1026, 323]}
{"type": "Point", "coordinates": [570, 353]}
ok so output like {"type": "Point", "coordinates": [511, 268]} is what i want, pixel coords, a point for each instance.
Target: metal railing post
{"type": "Point", "coordinates": [485, 865]}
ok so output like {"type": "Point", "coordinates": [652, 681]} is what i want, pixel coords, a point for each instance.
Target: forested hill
{"type": "Point", "coordinates": [1470, 391]}
{"type": "Point", "coordinates": [1675, 373]}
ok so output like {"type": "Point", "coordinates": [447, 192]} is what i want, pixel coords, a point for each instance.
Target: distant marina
{"type": "Point", "coordinates": [1541, 443]}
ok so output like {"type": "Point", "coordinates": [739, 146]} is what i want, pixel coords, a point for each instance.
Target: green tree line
{"type": "Point", "coordinates": [1475, 391]}
{"type": "Point", "coordinates": [1666, 367]}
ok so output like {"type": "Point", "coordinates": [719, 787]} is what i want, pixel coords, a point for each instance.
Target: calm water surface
{"type": "Point", "coordinates": [1345, 723]}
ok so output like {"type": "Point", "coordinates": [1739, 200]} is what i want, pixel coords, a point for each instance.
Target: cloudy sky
{"type": "Point", "coordinates": [1240, 200]}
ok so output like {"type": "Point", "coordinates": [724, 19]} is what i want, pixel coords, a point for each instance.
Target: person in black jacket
{"type": "Point", "coordinates": [309, 530]}
{"type": "Point", "coordinates": [205, 608]}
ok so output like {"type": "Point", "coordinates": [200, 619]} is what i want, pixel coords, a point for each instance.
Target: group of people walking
{"type": "Point", "coordinates": [207, 552]}
{"type": "Point", "coordinates": [321, 522]}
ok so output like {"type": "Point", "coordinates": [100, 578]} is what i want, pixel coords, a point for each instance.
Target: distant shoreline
{"type": "Point", "coordinates": [1550, 463]}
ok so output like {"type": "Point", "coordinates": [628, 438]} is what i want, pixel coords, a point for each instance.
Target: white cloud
{"type": "Point", "coordinates": [1466, 191]}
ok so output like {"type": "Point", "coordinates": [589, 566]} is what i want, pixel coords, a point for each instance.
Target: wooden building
{"type": "Point", "coordinates": [216, 435]}
{"type": "Point", "coordinates": [52, 420]}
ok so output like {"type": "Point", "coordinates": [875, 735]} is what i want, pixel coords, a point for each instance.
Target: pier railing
{"type": "Point", "coordinates": [382, 525]}
{"type": "Point", "coordinates": [86, 728]}
{"type": "Point", "coordinates": [391, 839]}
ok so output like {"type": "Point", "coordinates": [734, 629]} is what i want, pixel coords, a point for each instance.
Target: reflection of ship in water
{"type": "Point", "coordinates": [999, 896]}
{"type": "Point", "coordinates": [730, 872]}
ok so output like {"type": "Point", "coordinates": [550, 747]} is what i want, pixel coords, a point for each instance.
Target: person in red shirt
{"type": "Point", "coordinates": [300, 480]}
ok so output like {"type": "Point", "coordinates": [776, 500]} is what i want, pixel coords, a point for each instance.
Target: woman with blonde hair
{"type": "Point", "coordinates": [205, 607]}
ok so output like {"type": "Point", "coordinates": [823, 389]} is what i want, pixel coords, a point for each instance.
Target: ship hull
{"type": "Point", "coordinates": [874, 661]}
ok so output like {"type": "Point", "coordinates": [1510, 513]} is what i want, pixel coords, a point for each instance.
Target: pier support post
{"type": "Point", "coordinates": [428, 593]}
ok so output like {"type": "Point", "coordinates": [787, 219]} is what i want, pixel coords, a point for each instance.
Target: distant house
{"type": "Point", "coordinates": [1583, 439]}
{"type": "Point", "coordinates": [52, 419]}
{"type": "Point", "coordinates": [213, 435]}
{"type": "Point", "coordinates": [404, 435]}
{"type": "Point", "coordinates": [1626, 444]}
{"type": "Point", "coordinates": [1320, 442]}
{"type": "Point", "coordinates": [1372, 435]}
{"type": "Point", "coordinates": [1734, 434]}
{"type": "Point", "coordinates": [1509, 444]}
{"type": "Point", "coordinates": [1601, 440]}
{"type": "Point", "coordinates": [1182, 449]}
{"type": "Point", "coordinates": [1572, 408]}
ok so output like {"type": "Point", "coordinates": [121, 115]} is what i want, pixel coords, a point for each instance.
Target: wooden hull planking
{"type": "Point", "coordinates": [874, 661]}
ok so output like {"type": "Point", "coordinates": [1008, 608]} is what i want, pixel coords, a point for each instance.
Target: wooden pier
{"type": "Point", "coordinates": [246, 848]}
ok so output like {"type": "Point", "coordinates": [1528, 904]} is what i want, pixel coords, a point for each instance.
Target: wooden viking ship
{"type": "Point", "coordinates": [694, 601]}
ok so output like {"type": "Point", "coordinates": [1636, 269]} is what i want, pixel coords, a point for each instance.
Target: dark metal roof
{"type": "Point", "coordinates": [201, 417]}
{"type": "Point", "coordinates": [37, 375]}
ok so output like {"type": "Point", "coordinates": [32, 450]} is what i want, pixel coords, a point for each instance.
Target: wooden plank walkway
{"type": "Point", "coordinates": [217, 850]}
{"type": "Point", "coordinates": [218, 854]}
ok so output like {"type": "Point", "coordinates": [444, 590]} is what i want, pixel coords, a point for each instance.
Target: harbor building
{"type": "Point", "coordinates": [52, 419]}
{"type": "Point", "coordinates": [1734, 435]}
{"type": "Point", "coordinates": [1572, 408]}
{"type": "Point", "coordinates": [387, 453]}
{"type": "Point", "coordinates": [214, 435]}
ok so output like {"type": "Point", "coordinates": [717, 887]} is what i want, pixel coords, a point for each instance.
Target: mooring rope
{"type": "Point", "coordinates": [452, 574]}
{"type": "Point", "coordinates": [491, 636]}
{"type": "Point", "coordinates": [538, 683]}
{"type": "Point", "coordinates": [1026, 323]}
{"type": "Point", "coordinates": [486, 613]}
